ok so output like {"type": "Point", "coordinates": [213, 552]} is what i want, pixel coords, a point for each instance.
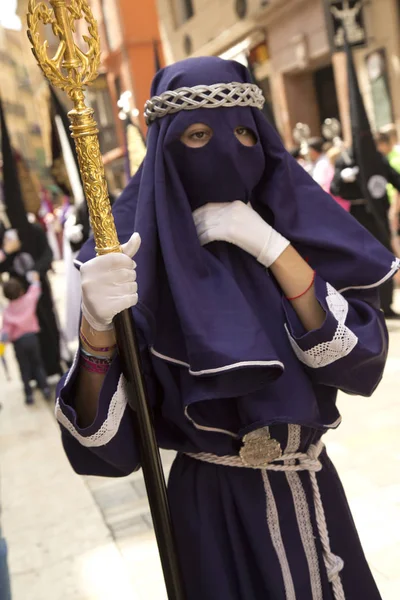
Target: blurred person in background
{"type": "Point", "coordinates": [63, 210]}
{"type": "Point", "coordinates": [386, 146]}
{"type": "Point", "coordinates": [321, 166]}
{"type": "Point", "coordinates": [346, 185]}
{"type": "Point", "coordinates": [30, 251]}
{"type": "Point", "coordinates": [77, 227]}
{"type": "Point", "coordinates": [296, 154]}
{"type": "Point", "coordinates": [4, 360]}
{"type": "Point", "coordinates": [21, 328]}
{"type": "Point", "coordinates": [245, 340]}
{"type": "Point", "coordinates": [49, 220]}
{"type": "Point", "coordinates": [323, 158]}
{"type": "Point", "coordinates": [333, 155]}
{"type": "Point", "coordinates": [5, 586]}
{"type": "Point", "coordinates": [3, 346]}
{"type": "Point", "coordinates": [62, 213]}
{"type": "Point", "coordinates": [299, 157]}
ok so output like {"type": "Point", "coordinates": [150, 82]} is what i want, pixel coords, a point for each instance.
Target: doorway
{"type": "Point", "coordinates": [325, 89]}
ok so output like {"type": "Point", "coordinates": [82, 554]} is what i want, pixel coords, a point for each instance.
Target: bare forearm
{"type": "Point", "coordinates": [89, 384]}
{"type": "Point", "coordinates": [294, 275]}
{"type": "Point", "coordinates": [87, 396]}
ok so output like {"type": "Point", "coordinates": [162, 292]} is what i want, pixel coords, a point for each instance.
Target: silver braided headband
{"type": "Point", "coordinates": [203, 96]}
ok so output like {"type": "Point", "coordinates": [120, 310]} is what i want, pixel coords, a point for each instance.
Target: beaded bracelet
{"type": "Point", "coordinates": [89, 355]}
{"type": "Point", "coordinates": [95, 348]}
{"type": "Point", "coordinates": [96, 360]}
{"type": "Point", "coordinates": [95, 364]}
{"type": "Point", "coordinates": [305, 291]}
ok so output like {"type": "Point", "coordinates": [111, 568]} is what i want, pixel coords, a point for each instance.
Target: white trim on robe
{"type": "Point", "coordinates": [109, 427]}
{"type": "Point", "coordinates": [393, 270]}
{"type": "Point", "coordinates": [342, 343]}
{"type": "Point", "coordinates": [238, 365]}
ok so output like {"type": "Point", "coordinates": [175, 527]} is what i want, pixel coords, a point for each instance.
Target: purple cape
{"type": "Point", "coordinates": [214, 310]}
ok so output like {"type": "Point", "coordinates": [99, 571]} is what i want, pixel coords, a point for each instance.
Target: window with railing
{"type": "Point", "coordinates": [183, 11]}
{"type": "Point", "coordinates": [14, 108]}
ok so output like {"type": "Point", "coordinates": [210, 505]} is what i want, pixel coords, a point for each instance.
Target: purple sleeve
{"type": "Point", "coordinates": [108, 446]}
{"type": "Point", "coordinates": [349, 351]}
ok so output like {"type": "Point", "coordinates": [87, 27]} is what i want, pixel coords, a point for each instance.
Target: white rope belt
{"type": "Point", "coordinates": [304, 462]}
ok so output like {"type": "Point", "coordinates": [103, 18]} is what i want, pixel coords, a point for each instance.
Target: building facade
{"type": "Point", "coordinates": [19, 93]}
{"type": "Point", "coordinates": [128, 31]}
{"type": "Point", "coordinates": [289, 45]}
{"type": "Point", "coordinates": [24, 96]}
{"type": "Point", "coordinates": [128, 34]}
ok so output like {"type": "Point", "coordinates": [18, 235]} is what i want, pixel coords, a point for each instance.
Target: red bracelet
{"type": "Point", "coordinates": [95, 348]}
{"type": "Point", "coordinates": [305, 291]}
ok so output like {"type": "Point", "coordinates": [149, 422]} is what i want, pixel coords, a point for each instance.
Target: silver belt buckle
{"type": "Point", "coordinates": [259, 449]}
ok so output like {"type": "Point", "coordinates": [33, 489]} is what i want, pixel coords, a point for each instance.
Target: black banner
{"type": "Point", "coordinates": [349, 14]}
{"type": "Point", "coordinates": [13, 199]}
{"type": "Point", "coordinates": [372, 172]}
{"type": "Point", "coordinates": [58, 167]}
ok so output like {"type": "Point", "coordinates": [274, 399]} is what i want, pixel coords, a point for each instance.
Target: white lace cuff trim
{"type": "Point", "coordinates": [343, 342]}
{"type": "Point", "coordinates": [109, 427]}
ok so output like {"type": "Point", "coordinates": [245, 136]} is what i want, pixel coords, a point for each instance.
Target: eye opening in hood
{"type": "Point", "coordinates": [246, 136]}
{"type": "Point", "coordinates": [196, 135]}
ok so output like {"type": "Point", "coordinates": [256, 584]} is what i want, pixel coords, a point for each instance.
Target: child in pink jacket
{"type": "Point", "coordinates": [20, 326]}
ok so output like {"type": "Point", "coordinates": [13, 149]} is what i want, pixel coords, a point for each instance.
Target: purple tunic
{"type": "Point", "coordinates": [226, 360]}
{"type": "Point", "coordinates": [225, 529]}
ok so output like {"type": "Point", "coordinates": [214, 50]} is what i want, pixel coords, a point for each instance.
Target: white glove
{"type": "Point", "coordinates": [109, 285]}
{"type": "Point", "coordinates": [237, 223]}
{"type": "Point", "coordinates": [74, 233]}
{"type": "Point", "coordinates": [349, 175]}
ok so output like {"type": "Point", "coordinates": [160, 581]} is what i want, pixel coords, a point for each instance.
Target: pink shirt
{"type": "Point", "coordinates": [327, 173]}
{"type": "Point", "coordinates": [19, 317]}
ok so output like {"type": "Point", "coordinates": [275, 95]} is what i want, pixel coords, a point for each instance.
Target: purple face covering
{"type": "Point", "coordinates": [238, 169]}
{"type": "Point", "coordinates": [215, 311]}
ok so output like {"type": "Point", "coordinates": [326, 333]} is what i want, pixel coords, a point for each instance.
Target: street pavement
{"type": "Point", "coordinates": [87, 538]}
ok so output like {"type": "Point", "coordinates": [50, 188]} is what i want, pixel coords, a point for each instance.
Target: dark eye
{"type": "Point", "coordinates": [198, 135]}
{"type": "Point", "coordinates": [246, 136]}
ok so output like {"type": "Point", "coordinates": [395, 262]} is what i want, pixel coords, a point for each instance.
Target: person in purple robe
{"type": "Point", "coordinates": [256, 298]}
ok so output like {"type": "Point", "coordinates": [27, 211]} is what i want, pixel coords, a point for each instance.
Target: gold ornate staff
{"type": "Point", "coordinates": [71, 70]}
